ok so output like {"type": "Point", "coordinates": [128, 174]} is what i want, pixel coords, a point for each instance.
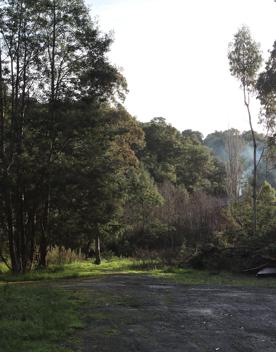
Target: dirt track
{"type": "Point", "coordinates": [140, 313]}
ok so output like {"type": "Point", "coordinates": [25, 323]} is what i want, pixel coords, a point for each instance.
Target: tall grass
{"type": "Point", "coordinates": [60, 255]}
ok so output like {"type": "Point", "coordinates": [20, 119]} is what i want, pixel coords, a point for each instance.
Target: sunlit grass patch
{"type": "Point", "coordinates": [3, 268]}
{"type": "Point", "coordinates": [86, 268]}
{"type": "Point", "coordinates": [79, 269]}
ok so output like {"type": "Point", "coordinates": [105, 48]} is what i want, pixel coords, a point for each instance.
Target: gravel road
{"type": "Point", "coordinates": [140, 313]}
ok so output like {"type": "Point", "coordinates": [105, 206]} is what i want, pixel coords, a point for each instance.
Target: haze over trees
{"type": "Point", "coordinates": [77, 171]}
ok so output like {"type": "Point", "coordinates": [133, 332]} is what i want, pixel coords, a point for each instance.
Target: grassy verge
{"type": "Point", "coordinates": [200, 277]}
{"type": "Point", "coordinates": [131, 266]}
{"type": "Point", "coordinates": [76, 270]}
{"type": "Point", "coordinates": [37, 318]}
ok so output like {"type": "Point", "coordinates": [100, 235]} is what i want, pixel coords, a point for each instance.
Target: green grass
{"type": "Point", "coordinates": [130, 266]}
{"type": "Point", "coordinates": [202, 277]}
{"type": "Point", "coordinates": [37, 318]}
{"type": "Point", "coordinates": [74, 270]}
{"type": "Point", "coordinates": [40, 317]}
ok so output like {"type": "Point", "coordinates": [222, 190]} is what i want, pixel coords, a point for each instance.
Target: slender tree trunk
{"type": "Point", "coordinates": [43, 245]}
{"type": "Point", "coordinates": [254, 182]}
{"type": "Point", "coordinates": [44, 240]}
{"type": "Point", "coordinates": [2, 104]}
{"type": "Point", "coordinates": [7, 197]}
{"type": "Point", "coordinates": [87, 249]}
{"type": "Point", "coordinates": [254, 195]}
{"type": "Point", "coordinates": [98, 259]}
{"type": "Point", "coordinates": [32, 239]}
{"type": "Point", "coordinates": [43, 252]}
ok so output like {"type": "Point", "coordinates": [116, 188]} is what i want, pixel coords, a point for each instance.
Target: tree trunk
{"type": "Point", "coordinates": [1, 110]}
{"type": "Point", "coordinates": [254, 195]}
{"type": "Point", "coordinates": [42, 252]}
{"type": "Point", "coordinates": [254, 183]}
{"type": "Point", "coordinates": [97, 250]}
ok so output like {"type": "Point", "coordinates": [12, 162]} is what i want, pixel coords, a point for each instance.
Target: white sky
{"type": "Point", "coordinates": [174, 56]}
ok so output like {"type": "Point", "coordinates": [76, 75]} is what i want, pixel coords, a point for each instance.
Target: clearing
{"type": "Point", "coordinates": [141, 313]}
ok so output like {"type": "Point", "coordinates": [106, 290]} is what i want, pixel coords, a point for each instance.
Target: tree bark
{"type": "Point", "coordinates": [98, 259]}
{"type": "Point", "coordinates": [42, 252]}
{"type": "Point", "coordinates": [254, 182]}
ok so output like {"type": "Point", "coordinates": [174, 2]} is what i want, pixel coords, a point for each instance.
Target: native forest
{"type": "Point", "coordinates": [87, 189]}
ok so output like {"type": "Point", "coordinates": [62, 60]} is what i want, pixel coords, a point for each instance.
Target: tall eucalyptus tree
{"type": "Point", "coordinates": [245, 60]}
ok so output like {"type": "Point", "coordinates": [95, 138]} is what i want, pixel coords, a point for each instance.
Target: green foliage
{"type": "Point", "coordinates": [194, 136]}
{"type": "Point", "coordinates": [76, 168]}
{"type": "Point", "coordinates": [100, 189]}
{"type": "Point", "coordinates": [266, 223]}
{"type": "Point", "coordinates": [163, 145]}
{"type": "Point", "coordinates": [198, 170]}
{"type": "Point", "coordinates": [184, 171]}
{"type": "Point", "coordinates": [53, 80]}
{"type": "Point", "coordinates": [180, 158]}
{"type": "Point", "coordinates": [143, 195]}
{"type": "Point", "coordinates": [244, 57]}
{"type": "Point", "coordinates": [266, 94]}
